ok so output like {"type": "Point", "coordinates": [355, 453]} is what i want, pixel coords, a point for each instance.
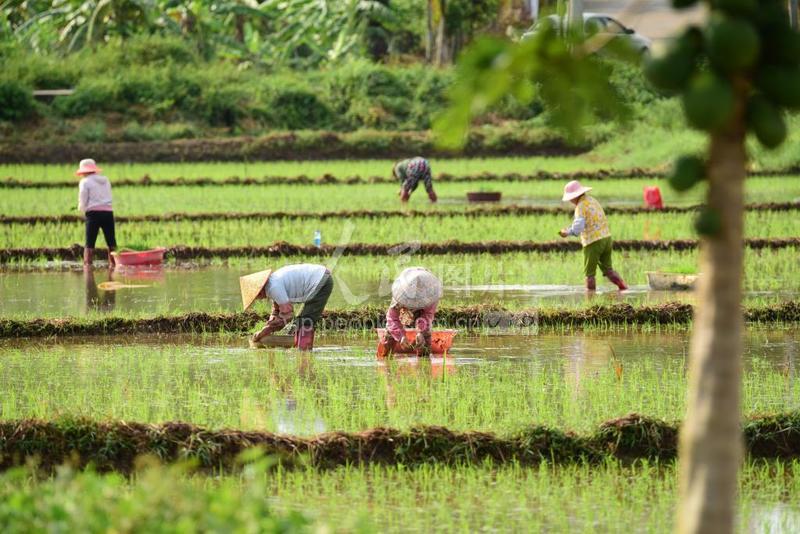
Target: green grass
{"type": "Point", "coordinates": [159, 200]}
{"type": "Point", "coordinates": [500, 384]}
{"type": "Point", "coordinates": [233, 233]}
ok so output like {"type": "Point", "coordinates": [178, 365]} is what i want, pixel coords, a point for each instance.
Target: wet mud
{"type": "Point", "coordinates": [282, 249]}
{"type": "Point", "coordinates": [506, 211]}
{"type": "Point", "coordinates": [116, 445]}
{"type": "Point", "coordinates": [368, 318]}
{"type": "Point", "coordinates": [11, 182]}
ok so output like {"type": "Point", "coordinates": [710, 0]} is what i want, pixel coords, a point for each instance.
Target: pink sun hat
{"type": "Point", "coordinates": [87, 166]}
{"type": "Point", "coordinates": [573, 190]}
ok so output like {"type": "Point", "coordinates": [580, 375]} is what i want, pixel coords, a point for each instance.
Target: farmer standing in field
{"type": "Point", "coordinates": [94, 199]}
{"type": "Point", "coordinates": [591, 225]}
{"type": "Point", "coordinates": [415, 295]}
{"type": "Point", "coordinates": [303, 283]}
{"type": "Point", "coordinates": [410, 172]}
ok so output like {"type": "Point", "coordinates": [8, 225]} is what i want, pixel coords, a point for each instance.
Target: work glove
{"type": "Point", "coordinates": [404, 195]}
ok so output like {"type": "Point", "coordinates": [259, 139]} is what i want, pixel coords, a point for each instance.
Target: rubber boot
{"type": "Point", "coordinates": [111, 262]}
{"type": "Point", "coordinates": [88, 254]}
{"type": "Point", "coordinates": [304, 338]}
{"type": "Point", "coordinates": [591, 283]}
{"type": "Point", "coordinates": [617, 280]}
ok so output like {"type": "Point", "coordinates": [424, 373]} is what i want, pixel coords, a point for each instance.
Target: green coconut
{"type": "Point", "coordinates": [766, 121]}
{"type": "Point", "coordinates": [708, 102]}
{"type": "Point", "coordinates": [707, 222]}
{"type": "Point", "coordinates": [781, 85]}
{"type": "Point", "coordinates": [736, 7]}
{"type": "Point", "coordinates": [686, 172]}
{"type": "Point", "coordinates": [732, 44]}
{"type": "Point", "coordinates": [670, 69]}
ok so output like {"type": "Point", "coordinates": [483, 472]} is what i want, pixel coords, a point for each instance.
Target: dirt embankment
{"type": "Point", "coordinates": [291, 146]}
{"type": "Point", "coordinates": [368, 318]}
{"type": "Point", "coordinates": [328, 179]}
{"type": "Point", "coordinates": [282, 249]}
{"type": "Point", "coordinates": [115, 446]}
{"type": "Point", "coordinates": [505, 211]}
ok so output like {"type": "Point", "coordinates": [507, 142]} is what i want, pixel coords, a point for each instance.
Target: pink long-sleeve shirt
{"type": "Point", "coordinates": [423, 323]}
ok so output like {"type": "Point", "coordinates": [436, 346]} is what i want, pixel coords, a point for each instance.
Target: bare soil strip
{"type": "Point", "coordinates": [115, 445]}
{"type": "Point", "coordinates": [595, 175]}
{"type": "Point", "coordinates": [505, 211]}
{"type": "Point", "coordinates": [282, 249]}
{"type": "Point", "coordinates": [370, 317]}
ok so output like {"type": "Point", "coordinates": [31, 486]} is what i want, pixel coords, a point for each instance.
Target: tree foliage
{"type": "Point", "coordinates": [745, 60]}
{"type": "Point", "coordinates": [285, 32]}
{"type": "Point", "coordinates": [556, 67]}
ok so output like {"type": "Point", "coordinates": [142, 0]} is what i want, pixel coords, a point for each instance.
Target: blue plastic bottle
{"type": "Point", "coordinates": [317, 238]}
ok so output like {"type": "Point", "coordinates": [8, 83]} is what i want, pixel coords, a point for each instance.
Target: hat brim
{"type": "Point", "coordinates": [80, 172]}
{"type": "Point", "coordinates": [575, 194]}
{"type": "Point", "coordinates": [251, 286]}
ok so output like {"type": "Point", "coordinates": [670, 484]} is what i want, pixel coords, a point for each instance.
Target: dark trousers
{"type": "Point", "coordinates": [312, 309]}
{"type": "Point", "coordinates": [97, 220]}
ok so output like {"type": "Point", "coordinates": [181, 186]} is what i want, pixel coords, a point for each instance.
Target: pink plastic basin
{"type": "Point", "coordinates": [441, 340]}
{"type": "Point", "coordinates": [143, 257]}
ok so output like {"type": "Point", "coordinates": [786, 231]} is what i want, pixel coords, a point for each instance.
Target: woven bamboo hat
{"type": "Point", "coordinates": [251, 285]}
{"type": "Point", "coordinates": [416, 288]}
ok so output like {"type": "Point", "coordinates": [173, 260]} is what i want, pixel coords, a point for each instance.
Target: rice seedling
{"type": "Point", "coordinates": [327, 197]}
{"type": "Point", "coordinates": [393, 499]}
{"type": "Point", "coordinates": [40, 172]}
{"type": "Point", "coordinates": [560, 499]}
{"type": "Point", "coordinates": [500, 384]}
{"type": "Point", "coordinates": [232, 233]}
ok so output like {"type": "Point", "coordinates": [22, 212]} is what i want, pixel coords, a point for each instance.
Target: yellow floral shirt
{"type": "Point", "coordinates": [596, 224]}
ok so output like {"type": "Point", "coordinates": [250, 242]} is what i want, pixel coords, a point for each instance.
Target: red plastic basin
{"type": "Point", "coordinates": [441, 340]}
{"type": "Point", "coordinates": [142, 257]}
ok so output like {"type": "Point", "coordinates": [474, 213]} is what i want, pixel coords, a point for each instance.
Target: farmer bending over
{"type": "Point", "coordinates": [303, 283]}
{"type": "Point", "coordinates": [94, 199]}
{"type": "Point", "coordinates": [410, 172]}
{"type": "Point", "coordinates": [591, 225]}
{"type": "Point", "coordinates": [415, 295]}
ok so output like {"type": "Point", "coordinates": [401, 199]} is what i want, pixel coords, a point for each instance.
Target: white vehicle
{"type": "Point", "coordinates": [598, 23]}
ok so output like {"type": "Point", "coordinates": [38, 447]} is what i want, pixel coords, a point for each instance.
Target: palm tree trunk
{"type": "Point", "coordinates": [711, 438]}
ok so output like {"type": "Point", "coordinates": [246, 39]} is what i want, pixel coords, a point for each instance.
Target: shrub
{"type": "Point", "coordinates": [90, 132]}
{"type": "Point", "coordinates": [298, 109]}
{"type": "Point", "coordinates": [16, 101]}
{"type": "Point", "coordinates": [91, 95]}
{"type": "Point", "coordinates": [154, 50]}
{"type": "Point", "coordinates": [134, 131]}
{"type": "Point", "coordinates": [223, 105]}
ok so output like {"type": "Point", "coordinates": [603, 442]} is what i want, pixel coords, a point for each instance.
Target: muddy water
{"type": "Point", "coordinates": [216, 289]}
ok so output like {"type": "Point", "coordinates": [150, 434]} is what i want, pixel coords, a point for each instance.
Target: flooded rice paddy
{"type": "Point", "coordinates": [497, 382]}
{"type": "Point", "coordinates": [74, 293]}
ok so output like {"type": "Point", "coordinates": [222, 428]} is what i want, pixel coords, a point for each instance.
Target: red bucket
{"type": "Point", "coordinates": [144, 257]}
{"type": "Point", "coordinates": [441, 340]}
{"type": "Point", "coordinates": [652, 198]}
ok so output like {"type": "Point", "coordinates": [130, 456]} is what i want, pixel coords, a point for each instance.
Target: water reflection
{"type": "Point", "coordinates": [98, 300]}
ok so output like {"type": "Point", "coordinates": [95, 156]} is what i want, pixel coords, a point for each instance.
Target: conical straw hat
{"type": "Point", "coordinates": [416, 288]}
{"type": "Point", "coordinates": [251, 285]}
